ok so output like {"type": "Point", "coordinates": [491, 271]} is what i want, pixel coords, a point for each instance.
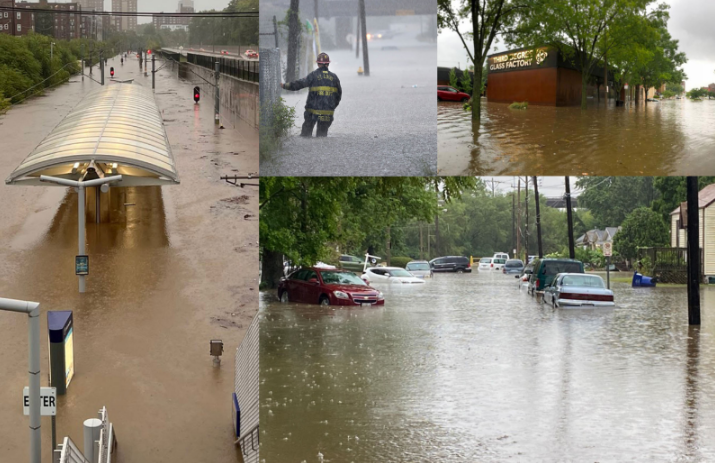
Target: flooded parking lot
{"type": "Point", "coordinates": [673, 137]}
{"type": "Point", "coordinates": [469, 368]}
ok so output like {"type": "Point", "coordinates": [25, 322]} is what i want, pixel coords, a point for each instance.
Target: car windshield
{"type": "Point", "coordinates": [514, 263]}
{"type": "Point", "coordinates": [398, 272]}
{"type": "Point", "coordinates": [424, 266]}
{"type": "Point", "coordinates": [341, 278]}
{"type": "Point", "coordinates": [588, 281]}
{"type": "Point", "coordinates": [485, 260]}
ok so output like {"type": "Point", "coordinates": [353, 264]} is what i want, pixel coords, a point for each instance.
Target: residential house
{"type": "Point", "coordinates": [678, 235]}
{"type": "Point", "coordinates": [594, 239]}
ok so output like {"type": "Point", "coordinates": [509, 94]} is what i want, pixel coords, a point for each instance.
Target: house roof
{"type": "Point", "coordinates": [706, 197]}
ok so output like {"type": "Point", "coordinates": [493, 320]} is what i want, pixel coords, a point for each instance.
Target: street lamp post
{"type": "Point", "coordinates": [32, 309]}
{"type": "Point", "coordinates": [52, 44]}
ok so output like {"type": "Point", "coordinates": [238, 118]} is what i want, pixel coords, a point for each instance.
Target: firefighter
{"type": "Point", "coordinates": [324, 96]}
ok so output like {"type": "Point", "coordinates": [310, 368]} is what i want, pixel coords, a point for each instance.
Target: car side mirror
{"type": "Point", "coordinates": [517, 276]}
{"type": "Point", "coordinates": [313, 281]}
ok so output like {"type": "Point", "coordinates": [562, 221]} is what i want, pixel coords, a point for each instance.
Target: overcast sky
{"type": "Point", "coordinates": [691, 22]}
{"type": "Point", "coordinates": [152, 6]}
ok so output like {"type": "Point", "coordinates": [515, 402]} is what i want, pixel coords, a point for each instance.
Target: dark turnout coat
{"type": "Point", "coordinates": [325, 92]}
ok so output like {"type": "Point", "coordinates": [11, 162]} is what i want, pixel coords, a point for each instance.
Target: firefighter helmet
{"type": "Point", "coordinates": [323, 58]}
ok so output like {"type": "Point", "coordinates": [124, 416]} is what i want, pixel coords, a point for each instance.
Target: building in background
{"type": "Point", "coordinates": [124, 23]}
{"type": "Point", "coordinates": [65, 24]}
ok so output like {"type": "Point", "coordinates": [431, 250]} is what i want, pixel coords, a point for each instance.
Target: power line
{"type": "Point", "coordinates": [201, 14]}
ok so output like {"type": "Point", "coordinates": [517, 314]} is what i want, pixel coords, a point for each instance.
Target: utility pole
{"type": "Point", "coordinates": [513, 224]}
{"type": "Point", "coordinates": [422, 255]}
{"type": "Point", "coordinates": [693, 221]}
{"type": "Point", "coordinates": [569, 217]}
{"type": "Point", "coordinates": [538, 218]}
{"type": "Point", "coordinates": [101, 66]}
{"type": "Point", "coordinates": [365, 58]}
{"type": "Point", "coordinates": [293, 36]}
{"type": "Point", "coordinates": [358, 35]}
{"type": "Point", "coordinates": [82, 62]}
{"type": "Point", "coordinates": [436, 220]}
{"type": "Point", "coordinates": [518, 217]}
{"type": "Point", "coordinates": [275, 31]}
{"type": "Point", "coordinates": [526, 225]}
{"type": "Point", "coordinates": [218, 98]}
{"type": "Point", "coordinates": [388, 245]}
{"type": "Point", "coordinates": [153, 71]}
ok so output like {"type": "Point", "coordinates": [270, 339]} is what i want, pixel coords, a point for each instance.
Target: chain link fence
{"type": "Point", "coordinates": [271, 76]}
{"type": "Point", "coordinates": [246, 386]}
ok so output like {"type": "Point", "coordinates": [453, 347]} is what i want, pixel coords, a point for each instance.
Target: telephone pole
{"type": "Point", "coordinates": [569, 217]}
{"type": "Point", "coordinates": [538, 218]}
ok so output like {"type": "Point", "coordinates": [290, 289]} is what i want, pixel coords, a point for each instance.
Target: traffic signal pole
{"type": "Point", "coordinates": [153, 71]}
{"type": "Point", "coordinates": [218, 99]}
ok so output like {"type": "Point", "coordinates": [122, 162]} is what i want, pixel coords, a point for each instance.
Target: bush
{"type": "Point", "coordinates": [274, 131]}
{"type": "Point", "coordinates": [400, 261]}
{"type": "Point", "coordinates": [517, 105]}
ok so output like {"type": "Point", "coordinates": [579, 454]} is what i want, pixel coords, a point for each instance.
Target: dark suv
{"type": "Point", "coordinates": [457, 264]}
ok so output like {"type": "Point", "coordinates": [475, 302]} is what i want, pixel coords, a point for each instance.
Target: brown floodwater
{"type": "Point", "coordinates": [157, 292]}
{"type": "Point", "coordinates": [673, 137]}
{"type": "Point", "coordinates": [467, 368]}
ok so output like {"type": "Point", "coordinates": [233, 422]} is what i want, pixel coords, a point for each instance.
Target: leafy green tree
{"type": "Point", "coordinates": [489, 18]}
{"type": "Point", "coordinates": [611, 199]}
{"type": "Point", "coordinates": [697, 93]}
{"type": "Point", "coordinates": [577, 29]}
{"type": "Point", "coordinates": [466, 82]}
{"type": "Point", "coordinates": [673, 192]}
{"type": "Point", "coordinates": [453, 82]}
{"type": "Point", "coordinates": [642, 228]}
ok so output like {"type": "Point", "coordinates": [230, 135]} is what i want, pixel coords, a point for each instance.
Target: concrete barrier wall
{"type": "Point", "coordinates": [238, 97]}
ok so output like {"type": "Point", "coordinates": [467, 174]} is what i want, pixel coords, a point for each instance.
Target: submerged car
{"type": "Point", "coordinates": [459, 264]}
{"type": "Point", "coordinates": [419, 268]}
{"type": "Point", "coordinates": [390, 275]}
{"type": "Point", "coordinates": [352, 263]}
{"type": "Point", "coordinates": [546, 269]}
{"type": "Point", "coordinates": [323, 286]}
{"type": "Point", "coordinates": [498, 264]}
{"type": "Point", "coordinates": [513, 267]}
{"type": "Point", "coordinates": [485, 264]}
{"type": "Point", "coordinates": [447, 93]}
{"type": "Point", "coordinates": [578, 290]}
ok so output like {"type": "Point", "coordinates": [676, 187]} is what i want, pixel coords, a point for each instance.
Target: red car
{"type": "Point", "coordinates": [447, 93]}
{"type": "Point", "coordinates": [327, 286]}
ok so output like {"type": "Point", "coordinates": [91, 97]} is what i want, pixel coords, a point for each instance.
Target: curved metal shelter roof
{"type": "Point", "coordinates": [114, 130]}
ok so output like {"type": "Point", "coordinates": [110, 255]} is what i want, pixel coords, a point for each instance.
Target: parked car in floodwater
{"type": "Point", "coordinates": [447, 93]}
{"type": "Point", "coordinates": [513, 267]}
{"type": "Point", "coordinates": [458, 264]}
{"type": "Point", "coordinates": [419, 268]}
{"type": "Point", "coordinates": [546, 269]}
{"type": "Point", "coordinates": [578, 290]}
{"type": "Point", "coordinates": [485, 264]}
{"type": "Point", "coordinates": [323, 286]}
{"type": "Point", "coordinates": [390, 275]}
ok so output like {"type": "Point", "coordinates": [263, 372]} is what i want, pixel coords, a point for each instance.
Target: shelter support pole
{"type": "Point", "coordinates": [96, 205]}
{"type": "Point", "coordinates": [693, 251]}
{"type": "Point", "coordinates": [81, 232]}
{"type": "Point", "coordinates": [32, 309]}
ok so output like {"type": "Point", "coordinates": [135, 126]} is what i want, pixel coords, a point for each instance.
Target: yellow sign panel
{"type": "Point", "coordinates": [69, 358]}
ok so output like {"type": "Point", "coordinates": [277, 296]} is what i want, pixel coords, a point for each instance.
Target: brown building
{"type": "Point", "coordinates": [124, 23]}
{"type": "Point", "coordinates": [541, 77]}
{"type": "Point", "coordinates": [15, 22]}
{"type": "Point", "coordinates": [62, 26]}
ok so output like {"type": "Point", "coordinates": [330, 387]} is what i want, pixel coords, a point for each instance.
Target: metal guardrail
{"type": "Point", "coordinates": [246, 390]}
{"type": "Point", "coordinates": [69, 453]}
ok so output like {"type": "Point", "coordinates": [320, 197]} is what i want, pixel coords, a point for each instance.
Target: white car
{"type": "Point", "coordinates": [419, 269]}
{"type": "Point", "coordinates": [485, 264]}
{"type": "Point", "coordinates": [390, 275]}
{"type": "Point", "coordinates": [500, 255]}
{"type": "Point", "coordinates": [498, 264]}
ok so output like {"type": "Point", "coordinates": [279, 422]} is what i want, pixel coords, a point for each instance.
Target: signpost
{"type": "Point", "coordinates": [81, 265]}
{"type": "Point", "coordinates": [608, 252]}
{"type": "Point", "coordinates": [48, 401]}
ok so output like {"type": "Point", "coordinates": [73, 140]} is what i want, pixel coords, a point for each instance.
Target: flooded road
{"type": "Point", "coordinates": [674, 137]}
{"type": "Point", "coordinates": [157, 292]}
{"type": "Point", "coordinates": [385, 123]}
{"type": "Point", "coordinates": [468, 368]}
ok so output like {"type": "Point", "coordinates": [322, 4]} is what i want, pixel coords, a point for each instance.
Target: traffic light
{"type": "Point", "coordinates": [148, 52]}
{"type": "Point", "coordinates": [197, 94]}
{"type": "Point", "coordinates": [111, 71]}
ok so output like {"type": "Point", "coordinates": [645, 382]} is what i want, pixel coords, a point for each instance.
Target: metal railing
{"type": "Point", "coordinates": [238, 68]}
{"type": "Point", "coordinates": [69, 453]}
{"type": "Point", "coordinates": [106, 438]}
{"type": "Point", "coordinates": [249, 442]}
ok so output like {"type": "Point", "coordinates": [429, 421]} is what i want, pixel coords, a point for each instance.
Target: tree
{"type": "Point", "coordinates": [697, 93]}
{"type": "Point", "coordinates": [489, 18]}
{"type": "Point", "coordinates": [453, 79]}
{"type": "Point", "coordinates": [611, 199]}
{"type": "Point", "coordinates": [466, 82]}
{"type": "Point", "coordinates": [577, 29]}
{"type": "Point", "coordinates": [642, 228]}
{"type": "Point", "coordinates": [672, 192]}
